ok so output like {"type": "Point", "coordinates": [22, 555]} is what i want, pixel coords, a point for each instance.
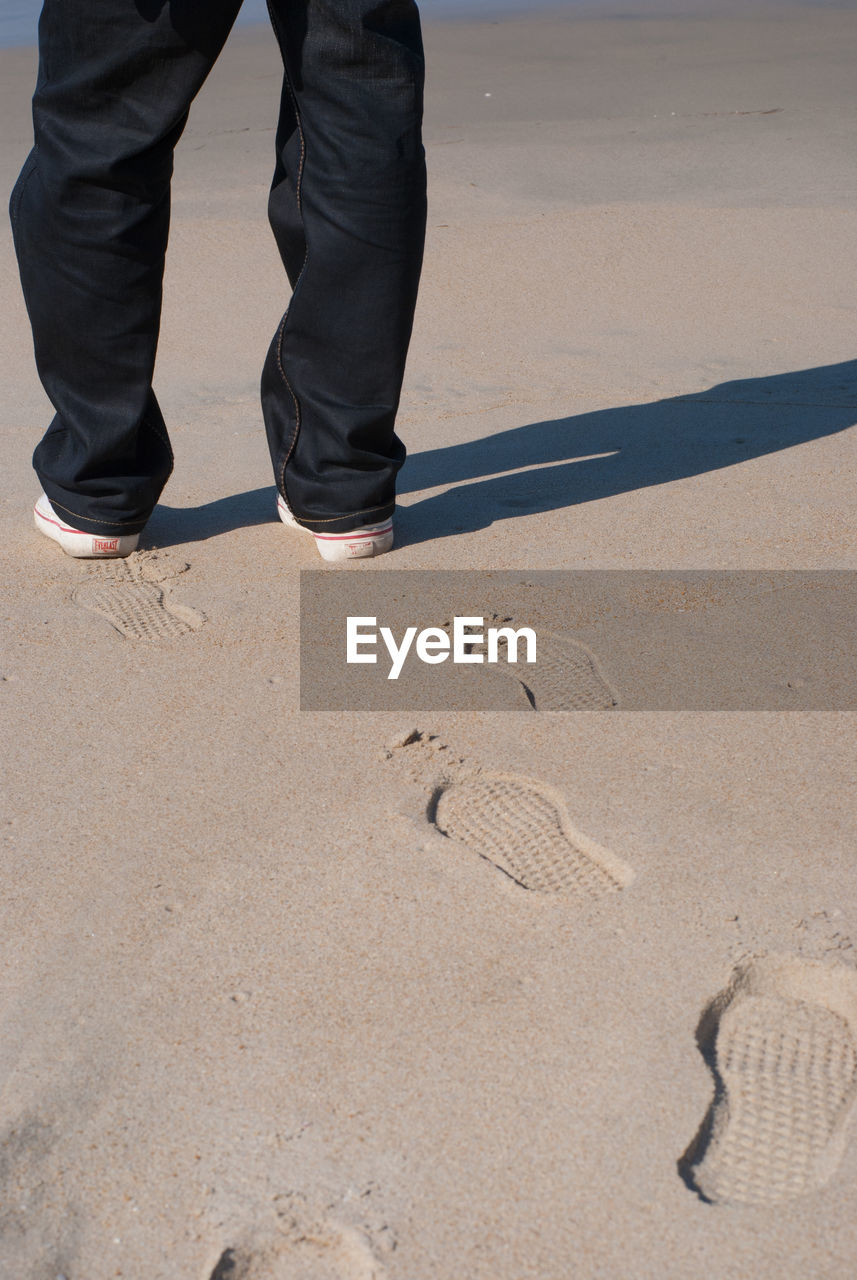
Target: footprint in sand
{"type": "Point", "coordinates": [565, 677]}
{"type": "Point", "coordinates": [523, 828]}
{"type": "Point", "coordinates": [305, 1245]}
{"type": "Point", "coordinates": [129, 595]}
{"type": "Point", "coordinates": [781, 1041]}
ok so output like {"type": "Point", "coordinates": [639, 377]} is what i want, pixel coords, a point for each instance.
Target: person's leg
{"type": "Point", "coordinates": [90, 217]}
{"type": "Point", "coordinates": [347, 207]}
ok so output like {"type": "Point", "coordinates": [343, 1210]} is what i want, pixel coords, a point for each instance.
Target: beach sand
{"type": "Point", "coordinates": [270, 1007]}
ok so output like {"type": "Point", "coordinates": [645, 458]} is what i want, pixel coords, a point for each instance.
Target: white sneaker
{"type": "Point", "coordinates": [75, 542]}
{"type": "Point", "coordinates": [371, 540]}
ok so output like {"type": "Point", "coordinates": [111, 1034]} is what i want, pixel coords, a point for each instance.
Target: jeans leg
{"type": "Point", "coordinates": [90, 218]}
{"type": "Point", "coordinates": [348, 210]}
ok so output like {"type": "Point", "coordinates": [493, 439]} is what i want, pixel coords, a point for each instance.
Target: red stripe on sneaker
{"type": "Point", "coordinates": [63, 528]}
{"type": "Point", "coordinates": [351, 537]}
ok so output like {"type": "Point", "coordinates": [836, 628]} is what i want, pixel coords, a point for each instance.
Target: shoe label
{"type": "Point", "coordinates": [103, 546]}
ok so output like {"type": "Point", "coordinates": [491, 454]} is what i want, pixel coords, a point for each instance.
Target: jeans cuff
{"type": "Point", "coordinates": [107, 528]}
{"type": "Point", "coordinates": [347, 523]}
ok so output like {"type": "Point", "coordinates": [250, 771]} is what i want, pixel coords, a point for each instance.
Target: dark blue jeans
{"type": "Point", "coordinates": [90, 217]}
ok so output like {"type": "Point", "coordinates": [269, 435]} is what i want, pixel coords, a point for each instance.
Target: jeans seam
{"type": "Point", "coordinates": [162, 436]}
{"type": "Point", "coordinates": [91, 519]}
{"type": "Point", "coordinates": [298, 195]}
{"type": "Point", "coordinates": [18, 193]}
{"type": "Point", "coordinates": [345, 516]}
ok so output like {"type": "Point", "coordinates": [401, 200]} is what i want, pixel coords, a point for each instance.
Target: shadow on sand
{"type": "Point", "coordinates": [546, 466]}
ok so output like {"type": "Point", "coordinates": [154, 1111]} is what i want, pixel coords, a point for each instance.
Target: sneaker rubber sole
{"type": "Point", "coordinates": [357, 544]}
{"type": "Point", "coordinates": [75, 542]}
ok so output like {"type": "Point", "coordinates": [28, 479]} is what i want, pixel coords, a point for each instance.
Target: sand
{"type": "Point", "coordinates": [293, 994]}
